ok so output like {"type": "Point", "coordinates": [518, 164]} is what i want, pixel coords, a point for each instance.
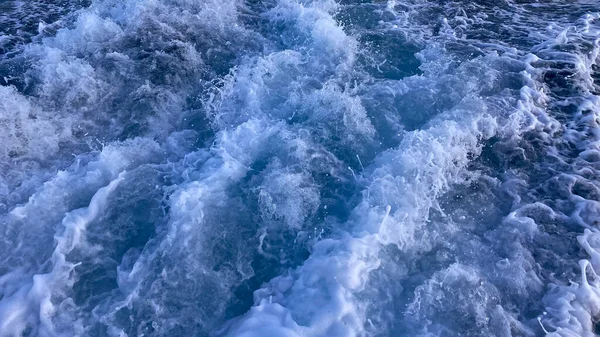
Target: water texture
{"type": "Point", "coordinates": [287, 168]}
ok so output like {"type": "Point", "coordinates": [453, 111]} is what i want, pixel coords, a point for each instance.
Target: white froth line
{"type": "Point", "coordinates": [43, 286]}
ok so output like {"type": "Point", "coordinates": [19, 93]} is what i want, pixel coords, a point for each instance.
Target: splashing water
{"type": "Point", "coordinates": [299, 168]}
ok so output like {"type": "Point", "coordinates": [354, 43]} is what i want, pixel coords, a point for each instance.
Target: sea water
{"type": "Point", "coordinates": [299, 168]}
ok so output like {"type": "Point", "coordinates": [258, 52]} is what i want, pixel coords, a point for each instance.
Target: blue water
{"type": "Point", "coordinates": [299, 168]}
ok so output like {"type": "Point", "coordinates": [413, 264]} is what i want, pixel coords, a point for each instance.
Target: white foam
{"type": "Point", "coordinates": [403, 186]}
{"type": "Point", "coordinates": [288, 111]}
{"type": "Point", "coordinates": [33, 292]}
{"type": "Point", "coordinates": [572, 310]}
{"type": "Point", "coordinates": [291, 197]}
{"type": "Point", "coordinates": [184, 244]}
{"type": "Point", "coordinates": [36, 299]}
{"type": "Point", "coordinates": [28, 131]}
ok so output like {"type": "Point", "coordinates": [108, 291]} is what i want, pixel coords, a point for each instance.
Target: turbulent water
{"type": "Point", "coordinates": [287, 168]}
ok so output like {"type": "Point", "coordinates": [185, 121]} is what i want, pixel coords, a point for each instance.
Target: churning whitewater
{"type": "Point", "coordinates": [299, 168]}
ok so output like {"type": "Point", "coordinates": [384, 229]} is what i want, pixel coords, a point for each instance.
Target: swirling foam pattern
{"type": "Point", "coordinates": [299, 168]}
